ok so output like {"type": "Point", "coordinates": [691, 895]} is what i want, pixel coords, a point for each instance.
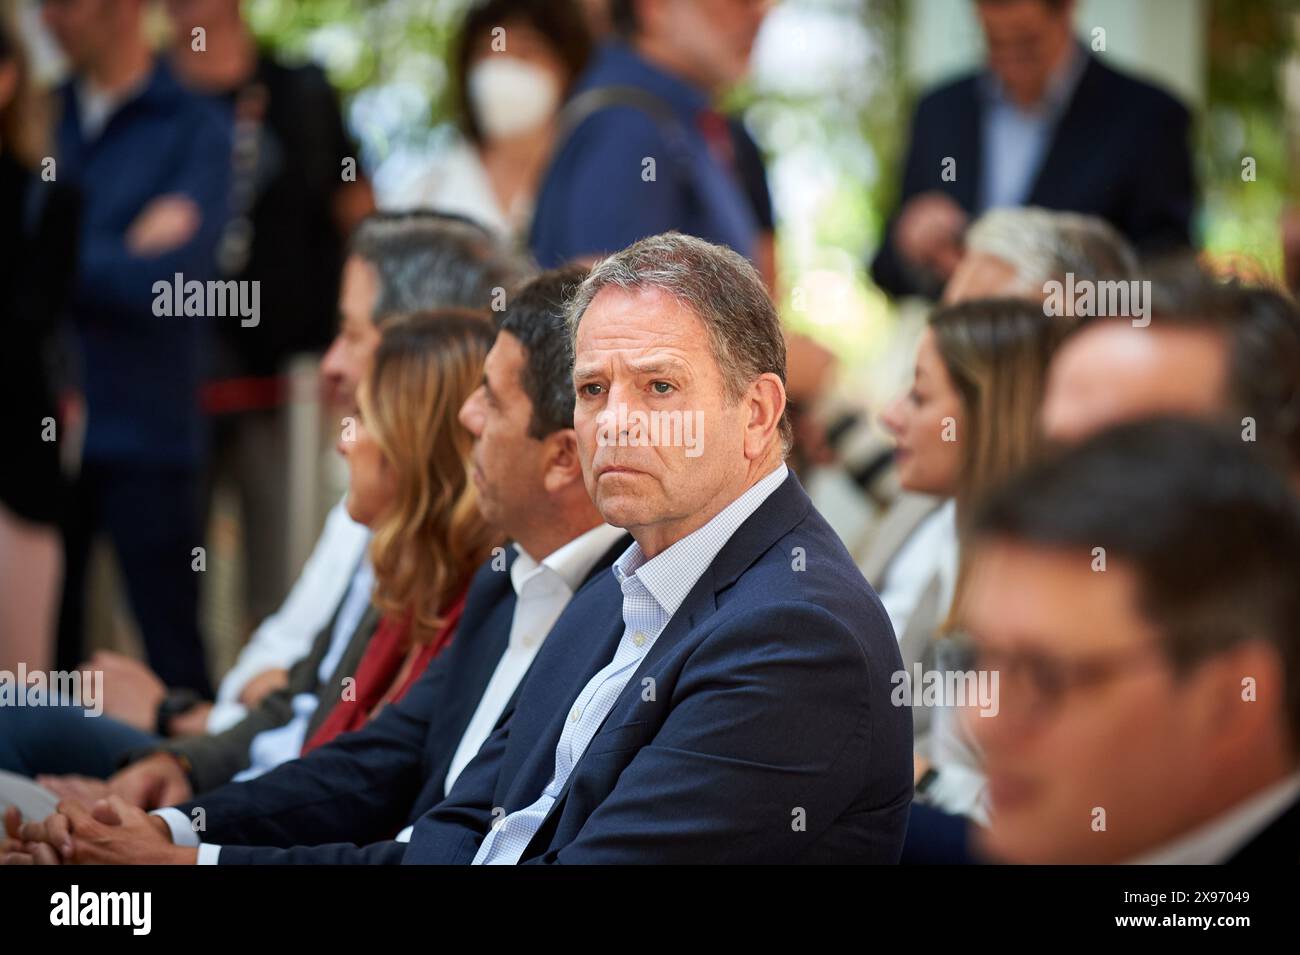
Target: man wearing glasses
{"type": "Point", "coordinates": [1137, 596]}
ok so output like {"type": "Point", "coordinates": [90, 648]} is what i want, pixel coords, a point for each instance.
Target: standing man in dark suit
{"type": "Point", "coordinates": [1151, 705]}
{"type": "Point", "coordinates": [1047, 124]}
{"type": "Point", "coordinates": [726, 696]}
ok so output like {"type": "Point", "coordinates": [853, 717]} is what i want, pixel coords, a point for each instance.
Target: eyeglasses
{"type": "Point", "coordinates": [1039, 683]}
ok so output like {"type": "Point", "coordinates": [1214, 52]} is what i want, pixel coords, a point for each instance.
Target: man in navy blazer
{"type": "Point", "coordinates": [724, 694]}
{"type": "Point", "coordinates": [1046, 124]}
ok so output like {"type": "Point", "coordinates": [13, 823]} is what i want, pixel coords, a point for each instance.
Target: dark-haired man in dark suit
{"type": "Point", "coordinates": [1137, 596]}
{"type": "Point", "coordinates": [1046, 123]}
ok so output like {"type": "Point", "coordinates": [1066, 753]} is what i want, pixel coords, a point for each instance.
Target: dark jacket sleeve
{"type": "Point", "coordinates": [216, 758]}
{"type": "Point", "coordinates": [758, 733]}
{"type": "Point", "coordinates": [339, 853]}
{"type": "Point", "coordinates": [202, 174]}
{"type": "Point", "coordinates": [1163, 198]}
{"type": "Point", "coordinates": [359, 787]}
{"type": "Point", "coordinates": [889, 269]}
{"type": "Point", "coordinates": [450, 832]}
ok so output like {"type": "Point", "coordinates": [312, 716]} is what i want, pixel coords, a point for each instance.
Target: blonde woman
{"type": "Point", "coordinates": [409, 482]}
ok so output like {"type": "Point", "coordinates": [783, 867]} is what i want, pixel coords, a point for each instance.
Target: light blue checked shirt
{"type": "Point", "coordinates": [1016, 139]}
{"type": "Point", "coordinates": [652, 592]}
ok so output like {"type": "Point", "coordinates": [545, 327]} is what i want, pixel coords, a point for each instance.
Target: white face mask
{"type": "Point", "coordinates": [510, 96]}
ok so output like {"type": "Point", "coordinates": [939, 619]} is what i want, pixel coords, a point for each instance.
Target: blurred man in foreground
{"type": "Point", "coordinates": [1137, 597]}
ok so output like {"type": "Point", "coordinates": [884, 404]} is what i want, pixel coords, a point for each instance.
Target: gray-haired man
{"type": "Point", "coordinates": [1015, 252]}
{"type": "Point", "coordinates": [723, 694]}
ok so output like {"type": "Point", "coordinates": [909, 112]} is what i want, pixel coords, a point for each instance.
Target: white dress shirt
{"type": "Point", "coordinates": [652, 591]}
{"type": "Point", "coordinates": [1217, 840]}
{"type": "Point", "coordinates": [286, 636]}
{"type": "Point", "coordinates": [929, 551]}
{"type": "Point", "coordinates": [1016, 139]}
{"type": "Point", "coordinates": [542, 592]}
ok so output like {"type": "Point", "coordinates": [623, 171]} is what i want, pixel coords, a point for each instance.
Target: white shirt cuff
{"type": "Point", "coordinates": [405, 834]}
{"type": "Point", "coordinates": [208, 853]}
{"type": "Point", "coordinates": [183, 833]}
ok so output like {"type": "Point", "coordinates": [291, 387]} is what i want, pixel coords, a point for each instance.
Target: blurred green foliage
{"type": "Point", "coordinates": [1248, 47]}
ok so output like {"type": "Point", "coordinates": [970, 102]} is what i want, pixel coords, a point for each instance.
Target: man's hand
{"type": "Point", "coordinates": [166, 223]}
{"type": "Point", "coordinates": [132, 691]}
{"type": "Point", "coordinates": [256, 689]}
{"type": "Point", "coordinates": [153, 782]}
{"type": "Point", "coordinates": [14, 850]}
{"type": "Point", "coordinates": [109, 833]}
{"type": "Point", "coordinates": [929, 233]}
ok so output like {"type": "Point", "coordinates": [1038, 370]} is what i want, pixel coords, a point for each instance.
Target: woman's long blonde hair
{"type": "Point", "coordinates": [431, 540]}
{"type": "Point", "coordinates": [996, 353]}
{"type": "Point", "coordinates": [24, 121]}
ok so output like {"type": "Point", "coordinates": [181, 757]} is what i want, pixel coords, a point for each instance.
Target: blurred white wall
{"type": "Point", "coordinates": [1161, 40]}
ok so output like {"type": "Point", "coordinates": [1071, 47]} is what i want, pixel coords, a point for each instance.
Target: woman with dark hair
{"type": "Point", "coordinates": [513, 64]}
{"type": "Point", "coordinates": [38, 230]}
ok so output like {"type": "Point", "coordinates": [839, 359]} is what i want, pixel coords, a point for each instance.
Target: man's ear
{"type": "Point", "coordinates": [766, 401]}
{"type": "Point", "coordinates": [561, 465]}
{"type": "Point", "coordinates": [1239, 691]}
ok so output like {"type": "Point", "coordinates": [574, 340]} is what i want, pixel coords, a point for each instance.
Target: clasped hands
{"type": "Point", "coordinates": [109, 832]}
{"type": "Point", "coordinates": [103, 823]}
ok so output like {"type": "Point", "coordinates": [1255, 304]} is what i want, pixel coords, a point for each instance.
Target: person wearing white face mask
{"type": "Point", "coordinates": [513, 64]}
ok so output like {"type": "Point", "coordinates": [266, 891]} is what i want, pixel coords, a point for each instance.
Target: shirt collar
{"type": "Point", "coordinates": [670, 575]}
{"type": "Point", "coordinates": [570, 563]}
{"type": "Point", "coordinates": [1215, 841]}
{"type": "Point", "coordinates": [1060, 86]}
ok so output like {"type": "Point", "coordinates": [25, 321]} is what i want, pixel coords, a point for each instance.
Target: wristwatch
{"type": "Point", "coordinates": [175, 703]}
{"type": "Point", "coordinates": [926, 781]}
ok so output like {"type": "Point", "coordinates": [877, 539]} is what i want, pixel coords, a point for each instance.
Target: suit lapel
{"type": "Point", "coordinates": [969, 146]}
{"type": "Point", "coordinates": [1074, 136]}
{"type": "Point", "coordinates": [581, 643]}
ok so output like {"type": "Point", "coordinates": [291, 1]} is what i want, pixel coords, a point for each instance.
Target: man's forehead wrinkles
{"type": "Point", "coordinates": [642, 355]}
{"type": "Point", "coordinates": [624, 338]}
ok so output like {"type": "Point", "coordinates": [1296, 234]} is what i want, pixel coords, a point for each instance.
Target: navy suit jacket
{"type": "Point", "coordinates": [343, 802]}
{"type": "Point", "coordinates": [1119, 151]}
{"type": "Point", "coordinates": [758, 728]}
